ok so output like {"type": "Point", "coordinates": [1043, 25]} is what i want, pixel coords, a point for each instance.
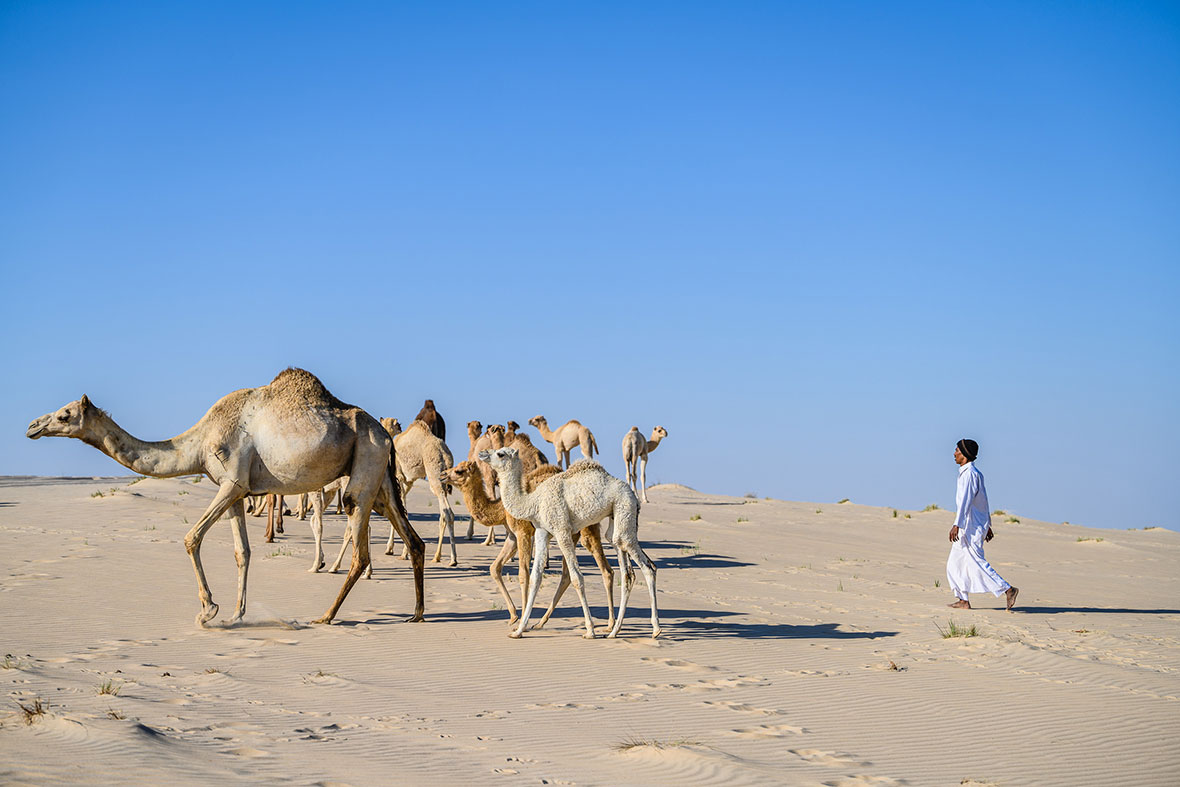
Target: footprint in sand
{"type": "Point", "coordinates": [830, 758]}
{"type": "Point", "coordinates": [246, 751]}
{"type": "Point", "coordinates": [562, 706]}
{"type": "Point", "coordinates": [678, 664]}
{"type": "Point", "coordinates": [505, 771]}
{"type": "Point", "coordinates": [811, 673]}
{"type": "Point", "coordinates": [860, 780]}
{"type": "Point", "coordinates": [741, 707]}
{"type": "Point", "coordinates": [769, 731]}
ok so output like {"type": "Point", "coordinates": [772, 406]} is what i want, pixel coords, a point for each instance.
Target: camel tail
{"type": "Point", "coordinates": [398, 503]}
{"type": "Point", "coordinates": [593, 446]}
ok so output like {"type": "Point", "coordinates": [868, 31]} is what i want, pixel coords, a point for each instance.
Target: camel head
{"type": "Point", "coordinates": [512, 426]}
{"type": "Point", "coordinates": [501, 458]}
{"type": "Point", "coordinates": [69, 421]}
{"type": "Point", "coordinates": [537, 420]}
{"type": "Point", "coordinates": [460, 473]}
{"type": "Point", "coordinates": [496, 432]}
{"type": "Point", "coordinates": [474, 428]}
{"type": "Point", "coordinates": [392, 426]}
{"type": "Point", "coordinates": [659, 433]}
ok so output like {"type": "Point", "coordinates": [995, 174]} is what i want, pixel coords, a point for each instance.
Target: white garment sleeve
{"type": "Point", "coordinates": [965, 494]}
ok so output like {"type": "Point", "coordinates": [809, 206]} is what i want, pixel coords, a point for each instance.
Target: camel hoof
{"type": "Point", "coordinates": [453, 563]}
{"type": "Point", "coordinates": [235, 619]}
{"type": "Point", "coordinates": [514, 634]}
{"type": "Point", "coordinates": [417, 619]}
{"type": "Point", "coordinates": [589, 635]}
{"type": "Point", "coordinates": [389, 551]}
{"type": "Point", "coordinates": [207, 614]}
{"type": "Point", "coordinates": [324, 621]}
{"type": "Point", "coordinates": [655, 634]}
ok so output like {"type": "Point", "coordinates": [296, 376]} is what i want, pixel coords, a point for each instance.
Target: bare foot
{"type": "Point", "coordinates": [960, 604]}
{"type": "Point", "coordinates": [1010, 596]}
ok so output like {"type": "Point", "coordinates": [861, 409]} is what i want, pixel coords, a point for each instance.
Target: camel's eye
{"type": "Point", "coordinates": [64, 416]}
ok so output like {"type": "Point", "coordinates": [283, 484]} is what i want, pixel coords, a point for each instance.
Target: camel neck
{"type": "Point", "coordinates": [478, 503]}
{"type": "Point", "coordinates": [512, 493]}
{"type": "Point", "coordinates": [163, 459]}
{"type": "Point", "coordinates": [545, 431]}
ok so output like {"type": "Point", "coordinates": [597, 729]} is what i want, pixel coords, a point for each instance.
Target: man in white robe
{"type": "Point", "coordinates": [967, 570]}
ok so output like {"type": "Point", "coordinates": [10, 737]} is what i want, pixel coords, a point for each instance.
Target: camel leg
{"type": "Point", "coordinates": [270, 519]}
{"type": "Point", "coordinates": [343, 547]}
{"type": "Point", "coordinates": [491, 539]}
{"type": "Point", "coordinates": [562, 585]}
{"type": "Point", "coordinates": [279, 505]}
{"type": "Point", "coordinates": [394, 513]}
{"type": "Point", "coordinates": [227, 494]}
{"type": "Point", "coordinates": [525, 539]}
{"type": "Point", "coordinates": [592, 539]}
{"type": "Point", "coordinates": [358, 522]}
{"type": "Point", "coordinates": [317, 529]}
{"type": "Point", "coordinates": [241, 555]}
{"type": "Point", "coordinates": [446, 522]}
{"type": "Point", "coordinates": [630, 472]}
{"type": "Point", "coordinates": [628, 581]}
{"type": "Point", "coordinates": [643, 476]}
{"type": "Point", "coordinates": [541, 551]}
{"type": "Point", "coordinates": [497, 572]}
{"type": "Point", "coordinates": [566, 544]}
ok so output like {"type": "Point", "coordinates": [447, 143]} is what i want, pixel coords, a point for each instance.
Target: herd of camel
{"type": "Point", "coordinates": [293, 437]}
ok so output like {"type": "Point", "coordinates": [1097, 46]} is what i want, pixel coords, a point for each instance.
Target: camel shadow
{"type": "Point", "coordinates": [1116, 610]}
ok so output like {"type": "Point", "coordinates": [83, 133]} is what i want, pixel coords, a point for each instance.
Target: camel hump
{"type": "Point", "coordinates": [584, 466]}
{"type": "Point", "coordinates": [303, 387]}
{"type": "Point", "coordinates": [420, 425]}
{"type": "Point", "coordinates": [534, 478]}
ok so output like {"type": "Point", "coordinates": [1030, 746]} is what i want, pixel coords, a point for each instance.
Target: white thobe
{"type": "Point", "coordinates": [967, 570]}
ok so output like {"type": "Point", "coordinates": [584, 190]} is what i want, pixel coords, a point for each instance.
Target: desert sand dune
{"type": "Point", "coordinates": [801, 645]}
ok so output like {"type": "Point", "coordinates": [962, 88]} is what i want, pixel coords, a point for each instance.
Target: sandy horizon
{"type": "Point", "coordinates": [802, 644]}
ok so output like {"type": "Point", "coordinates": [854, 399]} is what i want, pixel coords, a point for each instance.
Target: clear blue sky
{"type": "Point", "coordinates": [818, 242]}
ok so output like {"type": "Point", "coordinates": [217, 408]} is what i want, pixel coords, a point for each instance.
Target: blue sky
{"type": "Point", "coordinates": [817, 242]}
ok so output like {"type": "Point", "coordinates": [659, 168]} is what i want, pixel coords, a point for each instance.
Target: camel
{"type": "Point", "coordinates": [433, 419]}
{"type": "Point", "coordinates": [465, 476]}
{"type": "Point", "coordinates": [635, 452]}
{"type": "Point", "coordinates": [531, 457]}
{"type": "Point", "coordinates": [510, 430]}
{"type": "Point", "coordinates": [481, 442]}
{"type": "Point", "coordinates": [422, 455]}
{"type": "Point", "coordinates": [287, 437]}
{"type": "Point", "coordinates": [571, 434]}
{"type": "Point", "coordinates": [561, 506]}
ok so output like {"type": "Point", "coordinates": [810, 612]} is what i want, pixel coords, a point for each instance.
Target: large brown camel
{"type": "Point", "coordinates": [288, 437]}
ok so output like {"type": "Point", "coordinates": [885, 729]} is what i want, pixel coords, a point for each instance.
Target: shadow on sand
{"type": "Point", "coordinates": [1116, 610]}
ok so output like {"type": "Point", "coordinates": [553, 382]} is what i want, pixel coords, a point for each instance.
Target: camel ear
{"type": "Point", "coordinates": [84, 402]}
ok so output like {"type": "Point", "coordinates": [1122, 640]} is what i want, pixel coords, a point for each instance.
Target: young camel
{"type": "Point", "coordinates": [570, 434]}
{"type": "Point", "coordinates": [635, 452]}
{"type": "Point", "coordinates": [561, 506]}
{"type": "Point", "coordinates": [465, 476]}
{"type": "Point", "coordinates": [283, 438]}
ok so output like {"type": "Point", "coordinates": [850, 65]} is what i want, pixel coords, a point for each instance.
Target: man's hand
{"type": "Point", "coordinates": [990, 535]}
{"type": "Point", "coordinates": [954, 533]}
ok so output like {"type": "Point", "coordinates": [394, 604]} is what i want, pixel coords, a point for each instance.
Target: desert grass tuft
{"type": "Point", "coordinates": [841, 502]}
{"type": "Point", "coordinates": [1080, 539]}
{"type": "Point", "coordinates": [931, 507]}
{"type": "Point", "coordinates": [954, 629]}
{"type": "Point", "coordinates": [32, 713]}
{"type": "Point", "coordinates": [895, 513]}
{"type": "Point", "coordinates": [692, 549]}
{"type": "Point", "coordinates": [938, 583]}
{"type": "Point", "coordinates": [694, 518]}
{"type": "Point", "coordinates": [743, 519]}
{"type": "Point", "coordinates": [110, 687]}
{"type": "Point", "coordinates": [630, 743]}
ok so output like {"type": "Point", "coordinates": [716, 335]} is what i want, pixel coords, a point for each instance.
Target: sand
{"type": "Point", "coordinates": [801, 645]}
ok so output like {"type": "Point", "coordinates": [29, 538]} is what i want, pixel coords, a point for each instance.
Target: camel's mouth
{"type": "Point", "coordinates": [37, 428]}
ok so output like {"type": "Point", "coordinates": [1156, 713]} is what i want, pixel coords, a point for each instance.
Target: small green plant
{"type": "Point", "coordinates": [632, 742]}
{"type": "Point", "coordinates": [114, 714]}
{"type": "Point", "coordinates": [694, 517]}
{"type": "Point", "coordinates": [841, 558]}
{"type": "Point", "coordinates": [840, 502]}
{"type": "Point", "coordinates": [931, 507]}
{"type": "Point", "coordinates": [751, 495]}
{"type": "Point", "coordinates": [281, 552]}
{"type": "Point", "coordinates": [184, 519]}
{"type": "Point", "coordinates": [496, 605]}
{"type": "Point", "coordinates": [150, 527]}
{"type": "Point", "coordinates": [743, 519]}
{"type": "Point", "coordinates": [1013, 520]}
{"type": "Point", "coordinates": [819, 510]}
{"type": "Point", "coordinates": [182, 492]}
{"type": "Point", "coordinates": [692, 549]}
{"type": "Point", "coordinates": [938, 583]}
{"type": "Point", "coordinates": [96, 493]}
{"type": "Point", "coordinates": [33, 712]}
{"type": "Point", "coordinates": [768, 498]}
{"type": "Point", "coordinates": [197, 479]}
{"type": "Point", "coordinates": [999, 512]}
{"type": "Point", "coordinates": [907, 516]}
{"type": "Point", "coordinates": [895, 513]}
{"type": "Point", "coordinates": [1096, 540]}
{"type": "Point", "coordinates": [954, 629]}
{"type": "Point", "coordinates": [215, 671]}
{"type": "Point", "coordinates": [110, 687]}
{"type": "Point", "coordinates": [840, 585]}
